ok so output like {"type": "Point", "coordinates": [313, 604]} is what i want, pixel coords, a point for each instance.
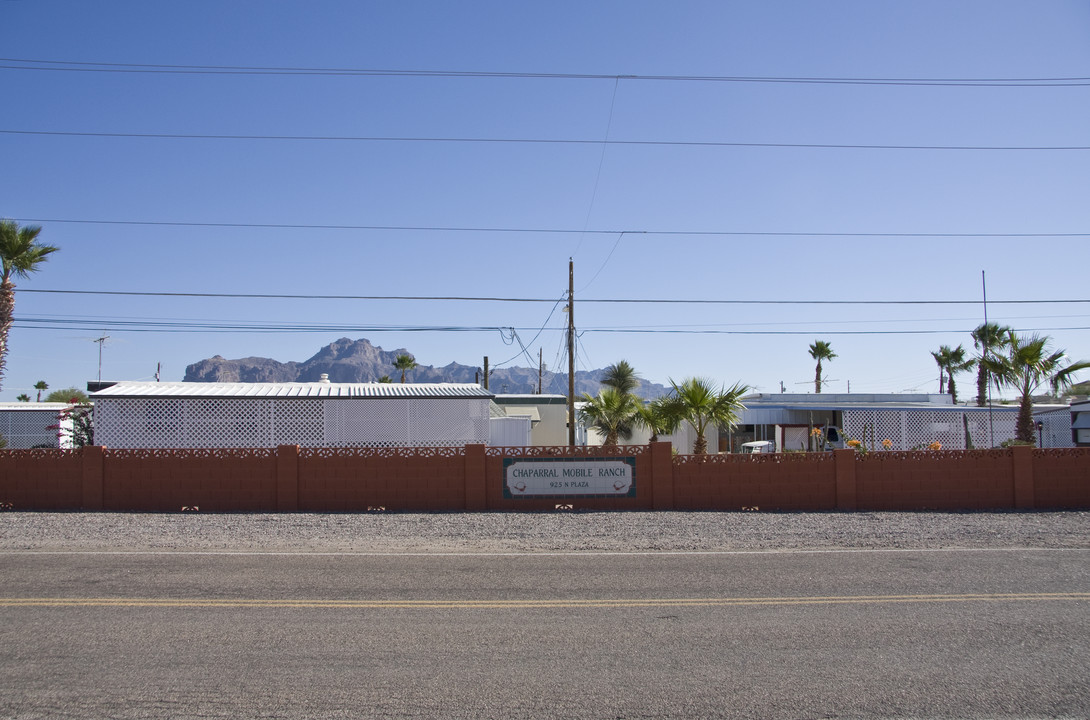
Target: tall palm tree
{"type": "Point", "coordinates": [951, 361]}
{"type": "Point", "coordinates": [942, 357]}
{"type": "Point", "coordinates": [21, 254]}
{"type": "Point", "coordinates": [987, 338]}
{"type": "Point", "coordinates": [39, 386]}
{"type": "Point", "coordinates": [662, 416]}
{"type": "Point", "coordinates": [611, 412]}
{"type": "Point", "coordinates": [404, 363]}
{"type": "Point", "coordinates": [1028, 363]}
{"type": "Point", "coordinates": [820, 350]}
{"type": "Point", "coordinates": [702, 404]}
{"type": "Point", "coordinates": [622, 376]}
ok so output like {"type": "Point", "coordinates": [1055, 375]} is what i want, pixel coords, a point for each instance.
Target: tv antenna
{"type": "Point", "coordinates": [101, 341]}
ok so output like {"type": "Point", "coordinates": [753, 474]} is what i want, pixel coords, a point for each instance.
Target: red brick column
{"type": "Point", "coordinates": [287, 478]}
{"type": "Point", "coordinates": [1022, 468]}
{"type": "Point", "coordinates": [476, 484]}
{"type": "Point", "coordinates": [845, 479]}
{"type": "Point", "coordinates": [93, 460]}
{"type": "Point", "coordinates": [662, 476]}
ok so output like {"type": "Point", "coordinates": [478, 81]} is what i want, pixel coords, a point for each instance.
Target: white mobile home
{"type": "Point", "coordinates": [25, 425]}
{"type": "Point", "coordinates": [907, 421]}
{"type": "Point", "coordinates": [321, 414]}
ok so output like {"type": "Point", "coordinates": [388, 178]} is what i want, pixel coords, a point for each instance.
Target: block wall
{"type": "Point", "coordinates": [470, 478]}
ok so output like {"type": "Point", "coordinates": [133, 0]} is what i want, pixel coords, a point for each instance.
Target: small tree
{"type": "Point", "coordinates": [612, 412]}
{"type": "Point", "coordinates": [1028, 363]}
{"type": "Point", "coordinates": [76, 423]}
{"type": "Point", "coordinates": [622, 376]}
{"type": "Point", "coordinates": [404, 363]}
{"type": "Point", "coordinates": [662, 416]}
{"type": "Point", "coordinates": [951, 361]}
{"type": "Point", "coordinates": [22, 397]}
{"type": "Point", "coordinates": [987, 338]}
{"type": "Point", "coordinates": [68, 395]}
{"type": "Point", "coordinates": [702, 404]}
{"type": "Point", "coordinates": [820, 350]}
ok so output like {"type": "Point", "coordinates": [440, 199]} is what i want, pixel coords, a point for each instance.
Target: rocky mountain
{"type": "Point", "coordinates": [349, 360]}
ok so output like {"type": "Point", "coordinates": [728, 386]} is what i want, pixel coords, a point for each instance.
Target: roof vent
{"type": "Point", "coordinates": [324, 378]}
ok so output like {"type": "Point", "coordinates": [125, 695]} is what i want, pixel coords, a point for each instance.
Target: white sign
{"type": "Point", "coordinates": [609, 477]}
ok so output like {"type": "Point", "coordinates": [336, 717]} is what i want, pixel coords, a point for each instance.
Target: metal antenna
{"type": "Point", "coordinates": [100, 341]}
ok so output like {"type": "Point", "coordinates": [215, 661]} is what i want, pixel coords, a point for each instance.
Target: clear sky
{"type": "Point", "coordinates": [676, 181]}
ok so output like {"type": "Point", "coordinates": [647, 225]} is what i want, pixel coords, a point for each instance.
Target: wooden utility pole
{"type": "Point", "coordinates": [485, 372]}
{"type": "Point", "coordinates": [571, 352]}
{"type": "Point", "coordinates": [540, 371]}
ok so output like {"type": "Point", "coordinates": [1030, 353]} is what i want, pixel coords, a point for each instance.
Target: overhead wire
{"type": "Point", "coordinates": [538, 141]}
{"type": "Point", "coordinates": [467, 298]}
{"type": "Point", "coordinates": [536, 336]}
{"type": "Point", "coordinates": [163, 68]}
{"type": "Point", "coordinates": [553, 231]}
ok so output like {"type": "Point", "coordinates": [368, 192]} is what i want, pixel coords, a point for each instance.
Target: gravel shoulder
{"type": "Point", "coordinates": [537, 532]}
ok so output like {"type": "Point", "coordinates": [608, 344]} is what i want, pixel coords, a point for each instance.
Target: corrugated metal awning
{"type": "Point", "coordinates": [294, 390]}
{"type": "Point", "coordinates": [1082, 421]}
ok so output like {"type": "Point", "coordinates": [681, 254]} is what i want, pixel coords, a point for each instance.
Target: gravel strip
{"type": "Point", "coordinates": [538, 532]}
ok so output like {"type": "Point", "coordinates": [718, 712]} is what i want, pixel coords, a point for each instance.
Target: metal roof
{"type": "Point", "coordinates": [1082, 422]}
{"type": "Point", "coordinates": [39, 406]}
{"type": "Point", "coordinates": [531, 399]}
{"type": "Point", "coordinates": [293, 390]}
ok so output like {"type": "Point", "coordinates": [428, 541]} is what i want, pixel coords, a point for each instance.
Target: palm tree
{"type": "Point", "coordinates": [987, 337]}
{"type": "Point", "coordinates": [622, 376]}
{"type": "Point", "coordinates": [1028, 363]}
{"type": "Point", "coordinates": [21, 254]}
{"type": "Point", "coordinates": [403, 363]}
{"type": "Point", "coordinates": [820, 350]}
{"type": "Point", "coordinates": [611, 412]}
{"type": "Point", "coordinates": [23, 397]}
{"type": "Point", "coordinates": [661, 416]}
{"type": "Point", "coordinates": [702, 404]}
{"type": "Point", "coordinates": [385, 379]}
{"type": "Point", "coordinates": [39, 386]}
{"type": "Point", "coordinates": [951, 361]}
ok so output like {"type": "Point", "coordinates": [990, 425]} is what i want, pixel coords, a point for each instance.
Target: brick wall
{"type": "Point", "coordinates": [289, 479]}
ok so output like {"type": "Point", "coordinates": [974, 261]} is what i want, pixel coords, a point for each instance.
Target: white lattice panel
{"type": "Point", "coordinates": [24, 429]}
{"type": "Point", "coordinates": [917, 429]}
{"type": "Point", "coordinates": [795, 438]}
{"type": "Point", "coordinates": [259, 422]}
{"type": "Point", "coordinates": [1055, 429]}
{"type": "Point", "coordinates": [298, 422]}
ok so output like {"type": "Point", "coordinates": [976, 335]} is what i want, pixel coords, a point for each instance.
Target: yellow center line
{"type": "Point", "coordinates": [531, 604]}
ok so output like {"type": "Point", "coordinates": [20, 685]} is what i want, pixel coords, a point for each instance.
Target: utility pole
{"type": "Point", "coordinates": [571, 353]}
{"type": "Point", "coordinates": [540, 371]}
{"type": "Point", "coordinates": [485, 372]}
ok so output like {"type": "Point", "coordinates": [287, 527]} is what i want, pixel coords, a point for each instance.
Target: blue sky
{"type": "Point", "coordinates": [676, 220]}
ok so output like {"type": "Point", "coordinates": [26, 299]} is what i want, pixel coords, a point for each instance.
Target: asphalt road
{"type": "Point", "coordinates": [912, 634]}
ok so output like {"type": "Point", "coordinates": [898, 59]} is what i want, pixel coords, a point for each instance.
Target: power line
{"type": "Point", "coordinates": [539, 141]}
{"type": "Point", "coordinates": [69, 323]}
{"type": "Point", "coordinates": [550, 231]}
{"type": "Point", "coordinates": [466, 298]}
{"type": "Point", "coordinates": [158, 68]}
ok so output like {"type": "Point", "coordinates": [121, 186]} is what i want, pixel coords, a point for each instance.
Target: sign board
{"type": "Point", "coordinates": [569, 477]}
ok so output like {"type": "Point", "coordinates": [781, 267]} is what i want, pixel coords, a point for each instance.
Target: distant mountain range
{"type": "Point", "coordinates": [349, 360]}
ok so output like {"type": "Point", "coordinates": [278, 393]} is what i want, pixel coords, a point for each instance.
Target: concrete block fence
{"type": "Point", "coordinates": [471, 479]}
